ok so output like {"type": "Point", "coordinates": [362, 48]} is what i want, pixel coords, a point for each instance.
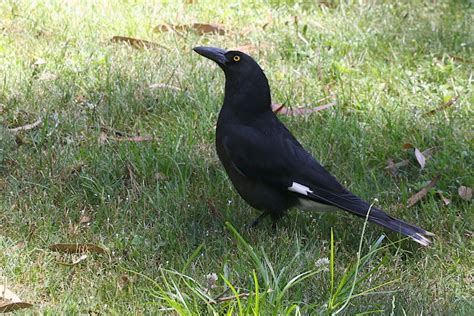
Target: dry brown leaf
{"type": "Point", "coordinates": [26, 127]}
{"type": "Point", "coordinates": [74, 262]}
{"type": "Point", "coordinates": [77, 248]}
{"type": "Point", "coordinates": [465, 193]}
{"type": "Point", "coordinates": [102, 137]}
{"type": "Point", "coordinates": [136, 43]}
{"type": "Point", "coordinates": [6, 294]}
{"type": "Point", "coordinates": [422, 193]}
{"type": "Point", "coordinates": [136, 139]}
{"type": "Point", "coordinates": [420, 158]}
{"type": "Point", "coordinates": [10, 302]}
{"type": "Point", "coordinates": [276, 108]}
{"type": "Point", "coordinates": [446, 201]}
{"type": "Point", "coordinates": [73, 229]}
{"type": "Point", "coordinates": [124, 281]}
{"type": "Point", "coordinates": [281, 109]}
{"type": "Point", "coordinates": [442, 107]}
{"type": "Point", "coordinates": [393, 167]}
{"type": "Point", "coordinates": [203, 28]}
{"type": "Point", "coordinates": [461, 59]}
{"type": "Point", "coordinates": [407, 146]}
{"type": "Point", "coordinates": [84, 219]}
{"type": "Point", "coordinates": [7, 307]}
{"type": "Point", "coordinates": [246, 48]}
{"type": "Point", "coordinates": [200, 28]}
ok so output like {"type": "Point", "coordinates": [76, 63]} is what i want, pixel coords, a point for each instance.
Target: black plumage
{"type": "Point", "coordinates": [266, 164]}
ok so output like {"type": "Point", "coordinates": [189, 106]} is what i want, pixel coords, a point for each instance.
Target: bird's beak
{"type": "Point", "coordinates": [213, 53]}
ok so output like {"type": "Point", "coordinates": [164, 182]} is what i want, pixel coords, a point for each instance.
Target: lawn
{"type": "Point", "coordinates": [121, 156]}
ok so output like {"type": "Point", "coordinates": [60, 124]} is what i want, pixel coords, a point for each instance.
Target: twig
{"type": "Point", "coordinates": [461, 59]}
{"type": "Point", "coordinates": [393, 167]}
{"type": "Point", "coordinates": [26, 127]}
{"type": "Point", "coordinates": [137, 43]}
{"type": "Point", "coordinates": [442, 107]}
{"type": "Point", "coordinates": [422, 193]}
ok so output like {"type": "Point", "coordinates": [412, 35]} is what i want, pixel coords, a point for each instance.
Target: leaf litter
{"type": "Point", "coordinates": [10, 302]}
{"type": "Point", "coordinates": [418, 196]}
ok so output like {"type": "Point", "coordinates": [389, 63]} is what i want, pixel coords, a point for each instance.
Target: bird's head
{"type": "Point", "coordinates": [233, 62]}
{"type": "Point", "coordinates": [245, 79]}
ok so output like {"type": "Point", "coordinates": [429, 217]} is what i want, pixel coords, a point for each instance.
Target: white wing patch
{"type": "Point", "coordinates": [299, 188]}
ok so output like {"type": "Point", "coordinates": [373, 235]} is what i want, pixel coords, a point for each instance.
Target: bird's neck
{"type": "Point", "coordinates": [246, 98]}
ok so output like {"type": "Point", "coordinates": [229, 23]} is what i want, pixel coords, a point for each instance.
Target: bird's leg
{"type": "Point", "coordinates": [276, 217]}
{"type": "Point", "coordinates": [256, 221]}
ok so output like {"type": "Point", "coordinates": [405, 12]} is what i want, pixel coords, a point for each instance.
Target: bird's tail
{"type": "Point", "coordinates": [359, 207]}
{"type": "Point", "coordinates": [416, 233]}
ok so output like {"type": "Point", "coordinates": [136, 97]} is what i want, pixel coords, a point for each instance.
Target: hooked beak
{"type": "Point", "coordinates": [213, 53]}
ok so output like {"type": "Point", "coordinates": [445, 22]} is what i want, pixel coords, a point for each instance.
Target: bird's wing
{"type": "Point", "coordinates": [277, 159]}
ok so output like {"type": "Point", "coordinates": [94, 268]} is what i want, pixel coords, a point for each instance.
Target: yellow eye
{"type": "Point", "coordinates": [236, 58]}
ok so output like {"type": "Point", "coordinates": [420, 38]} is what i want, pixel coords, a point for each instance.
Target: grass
{"type": "Point", "coordinates": [161, 206]}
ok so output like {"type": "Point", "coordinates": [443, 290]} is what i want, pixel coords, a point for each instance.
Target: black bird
{"type": "Point", "coordinates": [266, 164]}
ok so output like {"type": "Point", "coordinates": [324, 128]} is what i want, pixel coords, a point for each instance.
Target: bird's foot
{"type": "Point", "coordinates": [257, 221]}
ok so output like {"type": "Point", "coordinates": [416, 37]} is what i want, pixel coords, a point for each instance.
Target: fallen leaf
{"type": "Point", "coordinates": [76, 248]}
{"type": "Point", "coordinates": [163, 86]}
{"type": "Point", "coordinates": [203, 28]}
{"type": "Point", "coordinates": [422, 193]}
{"type": "Point", "coordinates": [84, 219]}
{"type": "Point", "coordinates": [10, 302]}
{"type": "Point", "coordinates": [296, 111]}
{"type": "Point", "coordinates": [461, 59]}
{"type": "Point", "coordinates": [428, 153]}
{"type": "Point", "coordinates": [124, 281]}
{"type": "Point", "coordinates": [393, 167]}
{"type": "Point", "coordinates": [247, 48]}
{"type": "Point", "coordinates": [136, 139]}
{"type": "Point", "coordinates": [136, 43]}
{"type": "Point", "coordinates": [465, 193]}
{"type": "Point", "coordinates": [442, 107]}
{"type": "Point", "coordinates": [407, 146]}
{"type": "Point", "coordinates": [73, 229]}
{"type": "Point", "coordinates": [102, 137]}
{"type": "Point", "coordinates": [276, 108]}
{"type": "Point", "coordinates": [25, 127]}
{"type": "Point", "coordinates": [200, 28]}
{"type": "Point", "coordinates": [420, 158]}
{"type": "Point", "coordinates": [7, 307]}
{"type": "Point", "coordinates": [6, 294]}
{"type": "Point", "coordinates": [446, 201]}
{"type": "Point", "coordinates": [74, 262]}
